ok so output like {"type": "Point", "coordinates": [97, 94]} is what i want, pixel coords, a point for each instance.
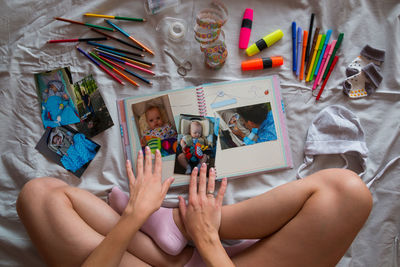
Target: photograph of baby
{"type": "Point", "coordinates": [155, 124]}
{"type": "Point", "coordinates": [246, 125]}
{"type": "Point", "coordinates": [197, 139]}
{"type": "Point", "coordinates": [69, 148]}
{"type": "Point", "coordinates": [92, 110]}
{"type": "Point", "coordinates": [54, 91]}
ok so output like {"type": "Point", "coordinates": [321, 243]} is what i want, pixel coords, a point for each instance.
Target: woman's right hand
{"type": "Point", "coordinates": [146, 189]}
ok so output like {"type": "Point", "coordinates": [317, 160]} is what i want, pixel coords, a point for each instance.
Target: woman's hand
{"type": "Point", "coordinates": [146, 190]}
{"type": "Point", "coordinates": [202, 215]}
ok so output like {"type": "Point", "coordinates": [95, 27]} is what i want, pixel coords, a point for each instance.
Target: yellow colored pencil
{"type": "Point", "coordinates": [313, 57]}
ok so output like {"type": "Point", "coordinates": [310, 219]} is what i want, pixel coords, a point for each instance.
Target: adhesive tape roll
{"type": "Point", "coordinates": [176, 31]}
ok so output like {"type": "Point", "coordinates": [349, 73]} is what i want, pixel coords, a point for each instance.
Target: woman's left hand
{"type": "Point", "coordinates": [202, 215]}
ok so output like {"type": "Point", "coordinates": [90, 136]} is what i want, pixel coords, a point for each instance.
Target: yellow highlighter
{"type": "Point", "coordinates": [265, 42]}
{"type": "Point", "coordinates": [313, 57]}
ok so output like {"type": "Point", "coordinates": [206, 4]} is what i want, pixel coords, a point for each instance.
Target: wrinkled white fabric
{"type": "Point", "coordinates": [26, 26]}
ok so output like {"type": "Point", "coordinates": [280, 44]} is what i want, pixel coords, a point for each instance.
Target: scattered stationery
{"type": "Point", "coordinates": [85, 24]}
{"type": "Point", "coordinates": [337, 45]}
{"type": "Point", "coordinates": [309, 37]}
{"type": "Point", "coordinates": [78, 40]}
{"type": "Point", "coordinates": [305, 39]}
{"type": "Point", "coordinates": [129, 36]}
{"type": "Point", "coordinates": [118, 40]}
{"type": "Point", "coordinates": [327, 77]}
{"type": "Point", "coordinates": [294, 46]}
{"type": "Point", "coordinates": [316, 34]}
{"type": "Point", "coordinates": [114, 17]}
{"type": "Point", "coordinates": [299, 50]}
{"type": "Point", "coordinates": [99, 65]}
{"type": "Point", "coordinates": [126, 63]}
{"type": "Point", "coordinates": [115, 49]}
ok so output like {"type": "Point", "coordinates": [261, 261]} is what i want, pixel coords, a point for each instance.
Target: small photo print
{"type": "Point", "coordinates": [156, 126]}
{"type": "Point", "coordinates": [55, 95]}
{"type": "Point", "coordinates": [92, 110]}
{"type": "Point", "coordinates": [68, 148]}
{"type": "Point", "coordinates": [197, 139]}
{"type": "Point", "coordinates": [246, 125]}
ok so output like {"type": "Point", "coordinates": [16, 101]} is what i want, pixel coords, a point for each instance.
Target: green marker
{"type": "Point", "coordinates": [338, 43]}
{"type": "Point", "coordinates": [321, 44]}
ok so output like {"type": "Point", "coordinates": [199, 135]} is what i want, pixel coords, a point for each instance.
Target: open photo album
{"type": "Point", "coordinates": [238, 127]}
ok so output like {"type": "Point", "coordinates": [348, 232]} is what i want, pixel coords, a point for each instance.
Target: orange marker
{"type": "Point", "coordinates": [305, 37]}
{"type": "Point", "coordinates": [262, 63]}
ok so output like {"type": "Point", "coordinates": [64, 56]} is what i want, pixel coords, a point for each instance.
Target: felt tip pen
{"type": "Point", "coordinates": [262, 63]}
{"type": "Point", "coordinates": [309, 37]}
{"type": "Point", "coordinates": [294, 45]}
{"type": "Point", "coordinates": [321, 44]}
{"type": "Point", "coordinates": [265, 42]}
{"type": "Point", "coordinates": [337, 45]}
{"type": "Point", "coordinates": [245, 30]}
{"type": "Point", "coordinates": [328, 36]}
{"type": "Point", "coordinates": [299, 50]}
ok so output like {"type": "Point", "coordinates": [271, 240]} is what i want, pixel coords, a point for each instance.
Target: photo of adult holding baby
{"type": "Point", "coordinates": [197, 138]}
{"type": "Point", "coordinates": [155, 125]}
{"type": "Point", "coordinates": [247, 125]}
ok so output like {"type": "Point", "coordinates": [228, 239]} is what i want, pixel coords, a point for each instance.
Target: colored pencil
{"type": "Point", "coordinates": [126, 63]}
{"type": "Point", "coordinates": [118, 40]}
{"type": "Point", "coordinates": [115, 49]}
{"type": "Point", "coordinates": [327, 77]}
{"type": "Point", "coordinates": [316, 33]}
{"type": "Point", "coordinates": [85, 24]}
{"type": "Point", "coordinates": [114, 17]}
{"type": "Point", "coordinates": [78, 40]}
{"type": "Point", "coordinates": [129, 59]}
{"type": "Point", "coordinates": [305, 38]}
{"type": "Point", "coordinates": [125, 69]}
{"type": "Point", "coordinates": [99, 65]}
{"type": "Point", "coordinates": [123, 55]}
{"type": "Point", "coordinates": [129, 36]}
{"type": "Point", "coordinates": [114, 69]}
{"type": "Point", "coordinates": [313, 57]}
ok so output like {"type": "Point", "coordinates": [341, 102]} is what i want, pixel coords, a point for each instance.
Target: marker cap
{"type": "Point", "coordinates": [272, 38]}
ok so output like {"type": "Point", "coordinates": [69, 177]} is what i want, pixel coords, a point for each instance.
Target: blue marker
{"type": "Point", "coordinates": [294, 45]}
{"type": "Point", "coordinates": [299, 49]}
{"type": "Point", "coordinates": [328, 35]}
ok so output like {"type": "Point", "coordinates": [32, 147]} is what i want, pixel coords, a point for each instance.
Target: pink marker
{"type": "Point", "coordinates": [245, 30]}
{"type": "Point", "coordinates": [324, 64]}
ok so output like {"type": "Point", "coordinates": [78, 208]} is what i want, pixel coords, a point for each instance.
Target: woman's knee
{"type": "Point", "coordinates": [348, 187]}
{"type": "Point", "coordinates": [34, 191]}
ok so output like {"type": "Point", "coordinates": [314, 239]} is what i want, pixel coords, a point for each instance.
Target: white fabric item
{"type": "Point", "coordinates": [335, 130]}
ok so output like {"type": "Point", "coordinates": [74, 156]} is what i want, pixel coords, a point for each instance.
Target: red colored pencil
{"type": "Point", "coordinates": [327, 77]}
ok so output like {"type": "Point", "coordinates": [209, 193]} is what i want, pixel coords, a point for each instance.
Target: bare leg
{"type": "Point", "coordinates": [308, 222]}
{"type": "Point", "coordinates": [67, 223]}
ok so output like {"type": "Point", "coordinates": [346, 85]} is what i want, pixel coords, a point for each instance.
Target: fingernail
{"type": "Point", "coordinates": [212, 170]}
{"type": "Point", "coordinates": [147, 148]}
{"type": "Point", "coordinates": [158, 151]}
{"type": "Point", "coordinates": [203, 165]}
{"type": "Point", "coordinates": [195, 168]}
{"type": "Point", "coordinates": [140, 152]}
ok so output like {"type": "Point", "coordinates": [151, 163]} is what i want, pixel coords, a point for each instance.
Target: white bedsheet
{"type": "Point", "coordinates": [26, 25]}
